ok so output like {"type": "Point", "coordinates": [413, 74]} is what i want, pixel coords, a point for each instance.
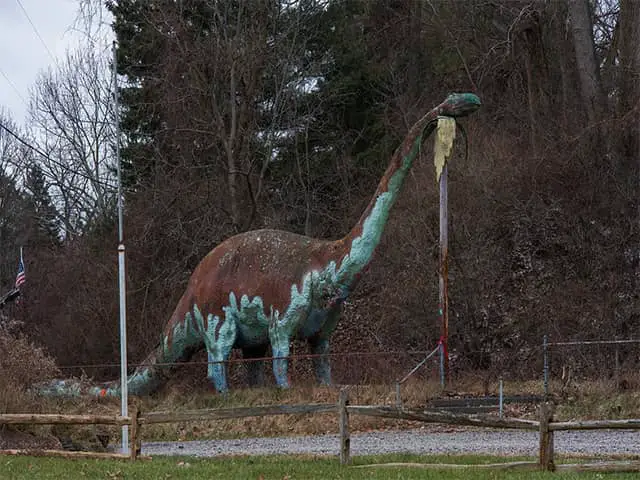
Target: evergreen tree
{"type": "Point", "coordinates": [45, 215]}
{"type": "Point", "coordinates": [138, 49]}
{"type": "Point", "coordinates": [12, 209]}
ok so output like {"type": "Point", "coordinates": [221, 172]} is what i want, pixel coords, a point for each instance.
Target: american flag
{"type": "Point", "coordinates": [21, 277]}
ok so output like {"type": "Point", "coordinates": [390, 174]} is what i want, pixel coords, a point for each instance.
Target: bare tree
{"type": "Point", "coordinates": [71, 114]}
{"type": "Point", "coordinates": [228, 89]}
{"type": "Point", "coordinates": [92, 19]}
{"type": "Point", "coordinates": [9, 148]}
{"type": "Point", "coordinates": [12, 154]}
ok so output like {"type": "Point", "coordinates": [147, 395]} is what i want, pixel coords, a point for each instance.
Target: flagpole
{"type": "Point", "coordinates": [124, 397]}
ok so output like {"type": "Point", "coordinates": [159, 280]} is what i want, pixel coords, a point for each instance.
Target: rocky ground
{"type": "Point", "coordinates": [418, 441]}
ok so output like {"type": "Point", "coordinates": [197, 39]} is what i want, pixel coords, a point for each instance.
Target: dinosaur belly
{"type": "Point", "coordinates": [249, 316]}
{"type": "Point", "coordinates": [314, 323]}
{"type": "Point", "coordinates": [251, 337]}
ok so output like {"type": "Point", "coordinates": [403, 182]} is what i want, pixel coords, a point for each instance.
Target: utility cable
{"type": "Point", "coordinates": [12, 85]}
{"type": "Point", "coordinates": [37, 32]}
{"type": "Point", "coordinates": [55, 162]}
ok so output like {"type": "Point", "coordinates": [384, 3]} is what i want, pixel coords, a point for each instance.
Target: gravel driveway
{"type": "Point", "coordinates": [498, 442]}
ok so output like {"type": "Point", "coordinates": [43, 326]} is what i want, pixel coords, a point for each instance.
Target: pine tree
{"type": "Point", "coordinates": [44, 214]}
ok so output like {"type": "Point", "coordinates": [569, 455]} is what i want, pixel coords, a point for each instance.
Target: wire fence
{"type": "Point", "coordinates": [552, 365]}
{"type": "Point", "coordinates": [347, 368]}
{"type": "Point", "coordinates": [615, 361]}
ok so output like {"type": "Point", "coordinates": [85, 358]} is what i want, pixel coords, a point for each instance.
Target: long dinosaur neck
{"type": "Point", "coordinates": [365, 236]}
{"type": "Point", "coordinates": [363, 239]}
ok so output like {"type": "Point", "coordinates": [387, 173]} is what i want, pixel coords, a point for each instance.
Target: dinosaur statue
{"type": "Point", "coordinates": [266, 287]}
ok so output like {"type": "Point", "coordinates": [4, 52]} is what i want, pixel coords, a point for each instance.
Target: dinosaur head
{"type": "Point", "coordinates": [459, 105]}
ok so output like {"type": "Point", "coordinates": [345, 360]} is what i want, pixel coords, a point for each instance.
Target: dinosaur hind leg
{"type": "Point", "coordinates": [320, 346]}
{"type": "Point", "coordinates": [255, 368]}
{"type": "Point", "coordinates": [218, 339]}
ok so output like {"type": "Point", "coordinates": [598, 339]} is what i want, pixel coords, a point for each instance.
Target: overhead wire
{"type": "Point", "coordinates": [18, 137]}
{"type": "Point", "coordinates": [55, 162]}
{"type": "Point", "coordinates": [13, 86]}
{"type": "Point", "coordinates": [35, 29]}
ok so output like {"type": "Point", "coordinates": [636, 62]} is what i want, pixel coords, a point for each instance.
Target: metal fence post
{"type": "Point", "coordinates": [441, 351]}
{"type": "Point", "coordinates": [501, 398]}
{"type": "Point", "coordinates": [398, 396]}
{"type": "Point", "coordinates": [616, 373]}
{"type": "Point", "coordinates": [545, 353]}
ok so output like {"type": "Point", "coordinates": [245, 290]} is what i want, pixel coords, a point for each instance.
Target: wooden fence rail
{"type": "Point", "coordinates": [57, 419]}
{"type": "Point", "coordinates": [238, 412]}
{"type": "Point", "coordinates": [631, 424]}
{"type": "Point", "coordinates": [444, 417]}
{"type": "Point", "coordinates": [545, 426]}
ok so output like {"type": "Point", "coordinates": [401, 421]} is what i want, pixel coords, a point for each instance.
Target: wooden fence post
{"type": "Point", "coordinates": [135, 432]}
{"type": "Point", "coordinates": [546, 437]}
{"type": "Point", "coordinates": [343, 418]}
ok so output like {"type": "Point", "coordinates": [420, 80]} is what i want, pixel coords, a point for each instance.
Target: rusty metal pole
{"type": "Point", "coordinates": [444, 270]}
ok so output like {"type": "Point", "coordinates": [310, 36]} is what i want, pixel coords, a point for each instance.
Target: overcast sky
{"type": "Point", "coordinates": [23, 54]}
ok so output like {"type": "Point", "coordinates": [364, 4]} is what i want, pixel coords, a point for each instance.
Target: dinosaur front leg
{"type": "Point", "coordinates": [280, 341]}
{"type": "Point", "coordinates": [218, 339]}
{"type": "Point", "coordinates": [283, 328]}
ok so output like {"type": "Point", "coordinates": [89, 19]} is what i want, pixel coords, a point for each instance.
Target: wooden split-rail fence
{"type": "Point", "coordinates": [546, 426]}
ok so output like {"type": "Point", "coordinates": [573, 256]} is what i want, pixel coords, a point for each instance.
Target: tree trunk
{"type": "Point", "coordinates": [559, 58]}
{"type": "Point", "coordinates": [629, 105]}
{"type": "Point", "coordinates": [232, 170]}
{"type": "Point", "coordinates": [588, 71]}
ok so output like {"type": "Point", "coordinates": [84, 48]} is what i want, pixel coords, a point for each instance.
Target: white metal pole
{"type": "Point", "coordinates": [124, 397]}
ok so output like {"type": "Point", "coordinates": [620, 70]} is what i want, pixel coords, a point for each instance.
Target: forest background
{"type": "Point", "coordinates": [237, 115]}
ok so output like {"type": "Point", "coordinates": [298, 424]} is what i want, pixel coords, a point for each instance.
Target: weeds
{"type": "Point", "coordinates": [22, 364]}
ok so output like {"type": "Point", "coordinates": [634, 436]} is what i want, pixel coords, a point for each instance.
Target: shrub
{"type": "Point", "coordinates": [22, 364]}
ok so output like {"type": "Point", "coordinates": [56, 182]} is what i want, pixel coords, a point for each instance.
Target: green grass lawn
{"type": "Point", "coordinates": [267, 467]}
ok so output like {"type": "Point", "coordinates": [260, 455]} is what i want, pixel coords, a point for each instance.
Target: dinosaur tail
{"type": "Point", "coordinates": [180, 340]}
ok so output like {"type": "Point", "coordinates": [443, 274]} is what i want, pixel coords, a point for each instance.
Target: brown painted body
{"type": "Point", "coordinates": [260, 263]}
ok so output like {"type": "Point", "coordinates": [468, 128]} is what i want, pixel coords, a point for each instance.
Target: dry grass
{"type": "Point", "coordinates": [599, 399]}
{"type": "Point", "coordinates": [585, 400]}
{"type": "Point", "coordinates": [22, 364]}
